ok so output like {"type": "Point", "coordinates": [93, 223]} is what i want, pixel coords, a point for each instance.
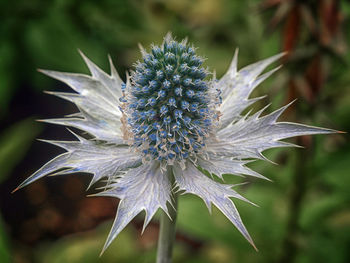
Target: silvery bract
{"type": "Point", "coordinates": [168, 119]}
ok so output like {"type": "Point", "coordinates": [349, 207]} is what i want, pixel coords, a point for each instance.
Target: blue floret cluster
{"type": "Point", "coordinates": [168, 102]}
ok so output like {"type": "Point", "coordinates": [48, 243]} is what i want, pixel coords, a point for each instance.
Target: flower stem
{"type": "Point", "coordinates": [167, 233]}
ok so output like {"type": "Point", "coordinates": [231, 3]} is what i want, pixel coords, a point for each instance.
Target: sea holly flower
{"type": "Point", "coordinates": [164, 129]}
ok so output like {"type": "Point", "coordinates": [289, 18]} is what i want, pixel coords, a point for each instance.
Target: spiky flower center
{"type": "Point", "coordinates": [168, 105]}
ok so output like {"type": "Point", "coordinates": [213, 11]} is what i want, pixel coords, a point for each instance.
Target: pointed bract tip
{"type": "Point", "coordinates": [15, 190]}
{"type": "Point", "coordinates": [143, 229]}
{"type": "Point", "coordinates": [251, 242]}
{"type": "Point", "coordinates": [40, 120]}
{"type": "Point", "coordinates": [50, 92]}
{"type": "Point", "coordinates": [44, 71]}
{"type": "Point", "coordinates": [47, 72]}
{"type": "Point", "coordinates": [236, 54]}
{"type": "Point", "coordinates": [105, 246]}
{"type": "Point", "coordinates": [81, 53]}
{"type": "Point", "coordinates": [340, 132]}
{"type": "Point", "coordinates": [145, 223]}
{"type": "Point", "coordinates": [42, 140]}
{"type": "Point", "coordinates": [100, 255]}
{"type": "Point", "coordinates": [276, 69]}
{"type": "Point", "coordinates": [256, 249]}
{"type": "Point", "coordinates": [85, 58]}
{"type": "Point", "coordinates": [264, 158]}
{"type": "Point", "coordinates": [23, 184]}
{"type": "Point", "coordinates": [329, 131]}
{"type": "Point", "coordinates": [280, 55]}
{"type": "Point", "coordinates": [113, 71]}
{"type": "Point", "coordinates": [92, 195]}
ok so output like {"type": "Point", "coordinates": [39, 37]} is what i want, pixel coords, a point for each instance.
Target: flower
{"type": "Point", "coordinates": [167, 122]}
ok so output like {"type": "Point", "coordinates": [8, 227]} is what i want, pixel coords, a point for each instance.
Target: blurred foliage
{"type": "Point", "coordinates": [46, 34]}
{"type": "Point", "coordinates": [4, 247]}
{"type": "Point", "coordinates": [14, 143]}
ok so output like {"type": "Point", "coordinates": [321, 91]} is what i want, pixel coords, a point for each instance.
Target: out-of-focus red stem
{"type": "Point", "coordinates": [291, 30]}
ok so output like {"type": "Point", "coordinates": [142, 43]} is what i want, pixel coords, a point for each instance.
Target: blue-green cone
{"type": "Point", "coordinates": [169, 105]}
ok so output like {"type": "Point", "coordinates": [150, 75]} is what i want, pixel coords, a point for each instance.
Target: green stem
{"type": "Point", "coordinates": [167, 233]}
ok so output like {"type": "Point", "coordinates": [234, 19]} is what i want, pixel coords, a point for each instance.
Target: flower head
{"type": "Point", "coordinates": [169, 120]}
{"type": "Point", "coordinates": [169, 106]}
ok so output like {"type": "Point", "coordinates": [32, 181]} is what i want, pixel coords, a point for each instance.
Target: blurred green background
{"type": "Point", "coordinates": [304, 215]}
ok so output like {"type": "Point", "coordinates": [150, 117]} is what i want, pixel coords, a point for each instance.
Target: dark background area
{"type": "Point", "coordinates": [304, 215]}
